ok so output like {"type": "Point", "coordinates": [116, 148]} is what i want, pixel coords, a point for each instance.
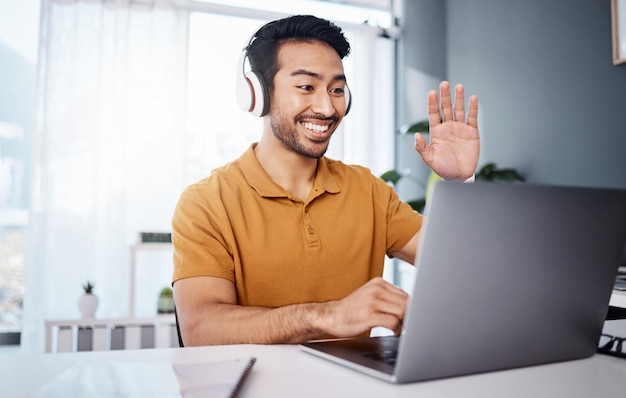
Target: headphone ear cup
{"type": "Point", "coordinates": [260, 95]}
{"type": "Point", "coordinates": [348, 96]}
{"type": "Point", "coordinates": [244, 93]}
{"type": "Point", "coordinates": [252, 94]}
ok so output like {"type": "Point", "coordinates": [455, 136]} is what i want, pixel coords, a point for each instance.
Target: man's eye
{"type": "Point", "coordinates": [338, 90]}
{"type": "Point", "coordinates": [306, 87]}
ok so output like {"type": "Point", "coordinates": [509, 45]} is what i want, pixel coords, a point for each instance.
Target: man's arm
{"type": "Point", "coordinates": [208, 314]}
{"type": "Point", "coordinates": [409, 252]}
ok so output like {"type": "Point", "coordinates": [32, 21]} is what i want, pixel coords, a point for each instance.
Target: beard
{"type": "Point", "coordinates": [286, 133]}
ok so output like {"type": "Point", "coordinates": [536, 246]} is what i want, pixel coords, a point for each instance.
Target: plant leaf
{"type": "Point", "coordinates": [418, 204]}
{"type": "Point", "coordinates": [391, 176]}
{"type": "Point", "coordinates": [489, 172]}
{"type": "Point", "coordinates": [418, 127]}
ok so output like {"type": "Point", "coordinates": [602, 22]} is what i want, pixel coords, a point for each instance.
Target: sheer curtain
{"type": "Point", "coordinates": [369, 127]}
{"type": "Point", "coordinates": [119, 135]}
{"type": "Point", "coordinates": [107, 160]}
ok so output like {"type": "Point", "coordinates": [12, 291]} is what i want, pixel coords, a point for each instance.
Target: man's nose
{"type": "Point", "coordinates": [323, 104]}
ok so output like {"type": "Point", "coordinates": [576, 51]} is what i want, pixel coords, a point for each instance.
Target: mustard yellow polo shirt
{"type": "Point", "coordinates": [239, 225]}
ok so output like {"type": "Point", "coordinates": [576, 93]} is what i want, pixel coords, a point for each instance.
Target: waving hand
{"type": "Point", "coordinates": [454, 144]}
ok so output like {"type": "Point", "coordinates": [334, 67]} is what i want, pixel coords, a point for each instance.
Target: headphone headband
{"type": "Point", "coordinates": [252, 92]}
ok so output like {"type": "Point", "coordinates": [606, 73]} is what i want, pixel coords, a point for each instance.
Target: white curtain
{"type": "Point", "coordinates": [108, 149]}
{"type": "Point", "coordinates": [369, 127]}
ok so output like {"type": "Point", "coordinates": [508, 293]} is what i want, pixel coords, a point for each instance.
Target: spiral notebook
{"type": "Point", "coordinates": [221, 379]}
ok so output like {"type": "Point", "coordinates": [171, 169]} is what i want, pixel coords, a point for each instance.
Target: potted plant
{"type": "Point", "coordinates": [488, 172]}
{"type": "Point", "coordinates": [88, 302]}
{"type": "Point", "coordinates": [166, 301]}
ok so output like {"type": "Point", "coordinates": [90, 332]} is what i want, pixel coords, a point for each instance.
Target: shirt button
{"type": "Point", "coordinates": [311, 230]}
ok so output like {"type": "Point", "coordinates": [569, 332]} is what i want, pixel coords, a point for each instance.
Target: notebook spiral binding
{"type": "Point", "coordinates": [243, 377]}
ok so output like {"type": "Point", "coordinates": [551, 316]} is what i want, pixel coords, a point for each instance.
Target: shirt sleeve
{"type": "Point", "coordinates": [403, 222]}
{"type": "Point", "coordinates": [200, 237]}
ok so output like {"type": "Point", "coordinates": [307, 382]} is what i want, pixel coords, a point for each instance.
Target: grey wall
{"type": "Point", "coordinates": [422, 65]}
{"type": "Point", "coordinates": [552, 104]}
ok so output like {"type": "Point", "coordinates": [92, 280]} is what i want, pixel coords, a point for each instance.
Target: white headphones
{"type": "Point", "coordinates": [252, 93]}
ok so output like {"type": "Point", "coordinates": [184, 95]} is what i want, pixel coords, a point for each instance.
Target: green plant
{"type": "Point", "coordinates": [488, 172]}
{"type": "Point", "coordinates": [422, 126]}
{"type": "Point", "coordinates": [166, 301]}
{"type": "Point", "coordinates": [88, 287]}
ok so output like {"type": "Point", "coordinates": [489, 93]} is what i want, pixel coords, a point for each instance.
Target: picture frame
{"type": "Point", "coordinates": [618, 27]}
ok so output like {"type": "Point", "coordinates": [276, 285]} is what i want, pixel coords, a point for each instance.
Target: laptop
{"type": "Point", "coordinates": [508, 276]}
{"type": "Point", "coordinates": [620, 282]}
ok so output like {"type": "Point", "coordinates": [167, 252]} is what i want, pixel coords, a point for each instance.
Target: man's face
{"type": "Point", "coordinates": [308, 101]}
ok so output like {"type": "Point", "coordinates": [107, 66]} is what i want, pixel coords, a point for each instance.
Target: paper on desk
{"type": "Point", "coordinates": [127, 379]}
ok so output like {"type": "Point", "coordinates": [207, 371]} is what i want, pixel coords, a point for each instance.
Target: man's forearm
{"type": "Point", "coordinates": [236, 324]}
{"type": "Point", "coordinates": [218, 320]}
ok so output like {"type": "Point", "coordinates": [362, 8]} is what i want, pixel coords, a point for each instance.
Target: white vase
{"type": "Point", "coordinates": [87, 304]}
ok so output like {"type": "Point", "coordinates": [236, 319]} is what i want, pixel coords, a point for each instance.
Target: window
{"type": "Point", "coordinates": [217, 130]}
{"type": "Point", "coordinates": [18, 57]}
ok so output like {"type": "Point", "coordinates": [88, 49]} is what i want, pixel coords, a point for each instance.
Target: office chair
{"type": "Point", "coordinates": [180, 337]}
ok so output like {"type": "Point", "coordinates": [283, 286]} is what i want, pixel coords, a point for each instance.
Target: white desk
{"type": "Point", "coordinates": [285, 371]}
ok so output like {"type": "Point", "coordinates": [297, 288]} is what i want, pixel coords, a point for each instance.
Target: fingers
{"type": "Point", "coordinates": [377, 303]}
{"type": "Point", "coordinates": [434, 118]}
{"type": "Point", "coordinates": [389, 310]}
{"type": "Point", "coordinates": [387, 299]}
{"type": "Point", "coordinates": [446, 101]}
{"type": "Point", "coordinates": [459, 103]}
{"type": "Point", "coordinates": [387, 321]}
{"type": "Point", "coordinates": [472, 113]}
{"type": "Point", "coordinates": [448, 113]}
{"type": "Point", "coordinates": [420, 143]}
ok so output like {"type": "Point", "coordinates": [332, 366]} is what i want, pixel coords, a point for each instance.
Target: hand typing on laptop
{"type": "Point", "coordinates": [377, 303]}
{"type": "Point", "coordinates": [285, 245]}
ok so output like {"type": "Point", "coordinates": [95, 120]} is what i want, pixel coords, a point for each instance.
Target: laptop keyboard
{"type": "Point", "coordinates": [387, 356]}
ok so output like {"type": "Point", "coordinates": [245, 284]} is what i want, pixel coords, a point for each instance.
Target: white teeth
{"type": "Point", "coordinates": [315, 127]}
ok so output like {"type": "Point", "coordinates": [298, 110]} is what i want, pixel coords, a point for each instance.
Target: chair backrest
{"type": "Point", "coordinates": [180, 337]}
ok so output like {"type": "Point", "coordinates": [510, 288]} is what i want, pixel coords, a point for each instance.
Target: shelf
{"type": "Point", "coordinates": [149, 246]}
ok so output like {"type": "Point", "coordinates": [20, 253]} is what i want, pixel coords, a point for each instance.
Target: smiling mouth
{"type": "Point", "coordinates": [316, 128]}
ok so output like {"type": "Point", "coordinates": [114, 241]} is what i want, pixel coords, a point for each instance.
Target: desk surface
{"type": "Point", "coordinates": [285, 371]}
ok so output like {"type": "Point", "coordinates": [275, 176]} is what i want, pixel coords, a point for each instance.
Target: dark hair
{"type": "Point", "coordinates": [264, 45]}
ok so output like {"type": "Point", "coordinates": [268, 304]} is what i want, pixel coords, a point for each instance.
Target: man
{"type": "Point", "coordinates": [285, 245]}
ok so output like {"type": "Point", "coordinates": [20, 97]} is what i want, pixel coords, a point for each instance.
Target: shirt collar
{"type": "Point", "coordinates": [263, 184]}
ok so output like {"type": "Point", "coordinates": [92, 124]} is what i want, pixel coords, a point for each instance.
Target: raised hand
{"type": "Point", "coordinates": [454, 144]}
